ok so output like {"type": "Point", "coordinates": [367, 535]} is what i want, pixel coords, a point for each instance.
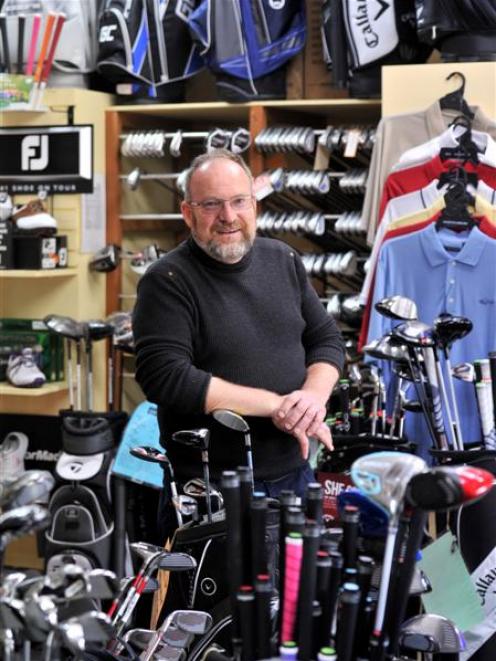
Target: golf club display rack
{"type": "Point", "coordinates": [143, 200]}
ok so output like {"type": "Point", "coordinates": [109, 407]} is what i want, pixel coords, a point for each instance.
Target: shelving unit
{"type": "Point", "coordinates": [73, 291]}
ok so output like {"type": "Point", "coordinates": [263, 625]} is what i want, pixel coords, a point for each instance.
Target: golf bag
{"type": "Point", "coordinates": [146, 45]}
{"type": "Point", "coordinates": [82, 507]}
{"type": "Point", "coordinates": [207, 587]}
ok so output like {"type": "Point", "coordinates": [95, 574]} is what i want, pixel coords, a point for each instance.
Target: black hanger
{"type": "Point", "coordinates": [466, 150]}
{"type": "Point", "coordinates": [454, 100]}
{"type": "Point", "coordinates": [455, 214]}
{"type": "Point", "coordinates": [457, 173]}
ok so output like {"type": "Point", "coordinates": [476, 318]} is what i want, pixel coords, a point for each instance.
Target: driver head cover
{"type": "Point", "coordinates": [384, 476]}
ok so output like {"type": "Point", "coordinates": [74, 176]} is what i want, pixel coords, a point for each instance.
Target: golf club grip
{"type": "Point", "coordinates": [306, 595]}
{"type": "Point", "coordinates": [350, 519]}
{"type": "Point", "coordinates": [32, 43]}
{"type": "Point", "coordinates": [119, 526]}
{"type": "Point", "coordinates": [293, 550]}
{"type": "Point", "coordinates": [246, 544]}
{"type": "Point", "coordinates": [397, 609]}
{"type": "Point", "coordinates": [258, 515]}
{"type": "Point", "coordinates": [286, 499]}
{"type": "Point", "coordinates": [324, 564]}
{"type": "Point", "coordinates": [246, 610]}
{"type": "Point", "coordinates": [314, 502]}
{"type": "Point", "coordinates": [363, 630]}
{"type": "Point", "coordinates": [232, 502]}
{"type": "Point", "coordinates": [263, 591]}
{"type": "Point", "coordinates": [492, 367]}
{"type": "Point", "coordinates": [44, 46]}
{"type": "Point", "coordinates": [349, 601]}
{"type": "Point", "coordinates": [485, 412]}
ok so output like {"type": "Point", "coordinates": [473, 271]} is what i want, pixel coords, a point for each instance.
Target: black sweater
{"type": "Point", "coordinates": [256, 323]}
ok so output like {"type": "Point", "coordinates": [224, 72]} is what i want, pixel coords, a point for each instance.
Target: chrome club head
{"type": "Point", "coordinates": [32, 486]}
{"type": "Point", "coordinates": [413, 334]}
{"type": "Point", "coordinates": [231, 420]}
{"type": "Point", "coordinates": [432, 633]}
{"type": "Point", "coordinates": [398, 307]}
{"type": "Point", "coordinates": [386, 349]}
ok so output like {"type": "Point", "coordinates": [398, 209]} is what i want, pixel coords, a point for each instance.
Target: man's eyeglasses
{"type": "Point", "coordinates": [214, 205]}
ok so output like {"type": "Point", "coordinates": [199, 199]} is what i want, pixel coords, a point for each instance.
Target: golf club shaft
{"type": "Point", "coordinates": [454, 402]}
{"type": "Point", "coordinates": [492, 367]}
{"type": "Point", "coordinates": [5, 42]}
{"type": "Point", "coordinates": [206, 478]}
{"type": "Point", "coordinates": [70, 381]}
{"type": "Point", "coordinates": [249, 457]}
{"type": "Point", "coordinates": [437, 409]}
{"type": "Point", "coordinates": [385, 576]}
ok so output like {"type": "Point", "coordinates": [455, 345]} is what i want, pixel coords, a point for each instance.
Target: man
{"type": "Point", "coordinates": [230, 321]}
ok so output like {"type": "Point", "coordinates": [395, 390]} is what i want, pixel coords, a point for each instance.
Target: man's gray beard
{"type": "Point", "coordinates": [229, 253]}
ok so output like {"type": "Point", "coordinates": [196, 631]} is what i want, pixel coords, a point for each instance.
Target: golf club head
{"type": "Point", "coordinates": [106, 259]}
{"type": "Point", "coordinates": [192, 621]}
{"type": "Point", "coordinates": [104, 584]}
{"type": "Point", "coordinates": [385, 349]}
{"type": "Point", "coordinates": [231, 420]}
{"type": "Point", "coordinates": [450, 328]}
{"type": "Point", "coordinates": [151, 454]}
{"type": "Point", "coordinates": [177, 562]}
{"type": "Point", "coordinates": [186, 505]}
{"type": "Point", "coordinates": [133, 179]}
{"type": "Point", "coordinates": [139, 639]}
{"type": "Point", "coordinates": [86, 629]}
{"type": "Point", "coordinates": [413, 405]}
{"type": "Point", "coordinates": [141, 261]}
{"type": "Point", "coordinates": [464, 372]}
{"type": "Point", "coordinates": [197, 438]}
{"type": "Point", "coordinates": [147, 552]}
{"type": "Point", "coordinates": [32, 486]}
{"type": "Point", "coordinates": [97, 329]}
{"type": "Point", "coordinates": [175, 144]}
{"type": "Point", "coordinates": [432, 633]}
{"type": "Point", "coordinates": [446, 487]}
{"type": "Point", "coordinates": [413, 334]}
{"type": "Point", "coordinates": [196, 489]}
{"type": "Point", "coordinates": [65, 326]}
{"type": "Point", "coordinates": [384, 477]}
{"type": "Point", "coordinates": [21, 521]}
{"type": "Point", "coordinates": [398, 307]}
{"type": "Point", "coordinates": [373, 521]}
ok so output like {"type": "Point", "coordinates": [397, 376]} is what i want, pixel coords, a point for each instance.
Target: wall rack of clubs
{"type": "Point", "coordinates": [314, 157]}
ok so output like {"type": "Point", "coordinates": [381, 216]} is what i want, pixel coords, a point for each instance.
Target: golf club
{"type": "Point", "coordinates": [234, 421]}
{"type": "Point", "coordinates": [198, 438]}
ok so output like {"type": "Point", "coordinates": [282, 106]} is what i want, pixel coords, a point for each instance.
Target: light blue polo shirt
{"type": "Point", "coordinates": [442, 271]}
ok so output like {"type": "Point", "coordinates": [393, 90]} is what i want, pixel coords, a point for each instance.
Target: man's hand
{"type": "Point", "coordinates": [301, 412]}
{"type": "Point", "coordinates": [323, 435]}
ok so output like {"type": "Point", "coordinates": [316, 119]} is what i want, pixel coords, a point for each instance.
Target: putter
{"type": "Point", "coordinates": [235, 422]}
{"type": "Point", "coordinates": [198, 438]}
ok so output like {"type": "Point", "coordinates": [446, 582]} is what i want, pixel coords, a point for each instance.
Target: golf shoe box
{"type": "Point", "coordinates": [35, 252]}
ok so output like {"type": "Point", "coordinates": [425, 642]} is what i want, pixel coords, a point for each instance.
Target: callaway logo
{"type": "Point", "coordinates": [484, 583]}
{"type": "Point", "coordinates": [34, 152]}
{"type": "Point", "coordinates": [42, 455]}
{"type": "Point", "coordinates": [486, 301]}
{"type": "Point", "coordinates": [384, 7]}
{"type": "Point", "coordinates": [277, 4]}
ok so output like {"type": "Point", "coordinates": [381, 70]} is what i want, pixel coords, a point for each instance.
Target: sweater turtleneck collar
{"type": "Point", "coordinates": [215, 264]}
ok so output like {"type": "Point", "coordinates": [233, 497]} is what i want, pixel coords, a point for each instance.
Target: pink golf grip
{"type": "Point", "coordinates": [292, 571]}
{"type": "Point", "coordinates": [32, 44]}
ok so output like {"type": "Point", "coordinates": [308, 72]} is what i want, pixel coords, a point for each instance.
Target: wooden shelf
{"type": "Point", "coordinates": [6, 390]}
{"type": "Point", "coordinates": [39, 273]}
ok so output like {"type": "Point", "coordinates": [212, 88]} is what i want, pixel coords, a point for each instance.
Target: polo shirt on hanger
{"type": "Point", "coordinates": [439, 280]}
{"type": "Point", "coordinates": [410, 179]}
{"type": "Point", "coordinates": [448, 139]}
{"type": "Point", "coordinates": [397, 133]}
{"type": "Point", "coordinates": [418, 206]}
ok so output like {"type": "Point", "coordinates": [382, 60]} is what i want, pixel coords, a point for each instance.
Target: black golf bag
{"type": "Point", "coordinates": [82, 505]}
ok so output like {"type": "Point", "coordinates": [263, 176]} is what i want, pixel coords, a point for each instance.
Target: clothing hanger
{"type": "Point", "coordinates": [456, 215]}
{"type": "Point", "coordinates": [456, 174]}
{"type": "Point", "coordinates": [454, 100]}
{"type": "Point", "coordinates": [466, 150]}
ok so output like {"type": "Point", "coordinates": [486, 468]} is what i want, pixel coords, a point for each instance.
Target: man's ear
{"type": "Point", "coordinates": [187, 214]}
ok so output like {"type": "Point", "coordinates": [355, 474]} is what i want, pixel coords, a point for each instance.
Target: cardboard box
{"type": "Point", "coordinates": [16, 334]}
{"type": "Point", "coordinates": [35, 252]}
{"type": "Point", "coordinates": [307, 75]}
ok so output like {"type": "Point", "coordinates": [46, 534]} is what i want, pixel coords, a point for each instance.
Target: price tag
{"type": "Point", "coordinates": [352, 138]}
{"type": "Point", "coordinates": [262, 186]}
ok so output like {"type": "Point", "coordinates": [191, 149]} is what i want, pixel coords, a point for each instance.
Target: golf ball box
{"type": "Point", "coordinates": [35, 252]}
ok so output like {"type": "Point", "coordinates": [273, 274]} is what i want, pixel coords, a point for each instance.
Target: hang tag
{"type": "Point", "coordinates": [453, 594]}
{"type": "Point", "coordinates": [322, 157]}
{"type": "Point", "coordinates": [262, 186]}
{"type": "Point", "coordinates": [352, 138]}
